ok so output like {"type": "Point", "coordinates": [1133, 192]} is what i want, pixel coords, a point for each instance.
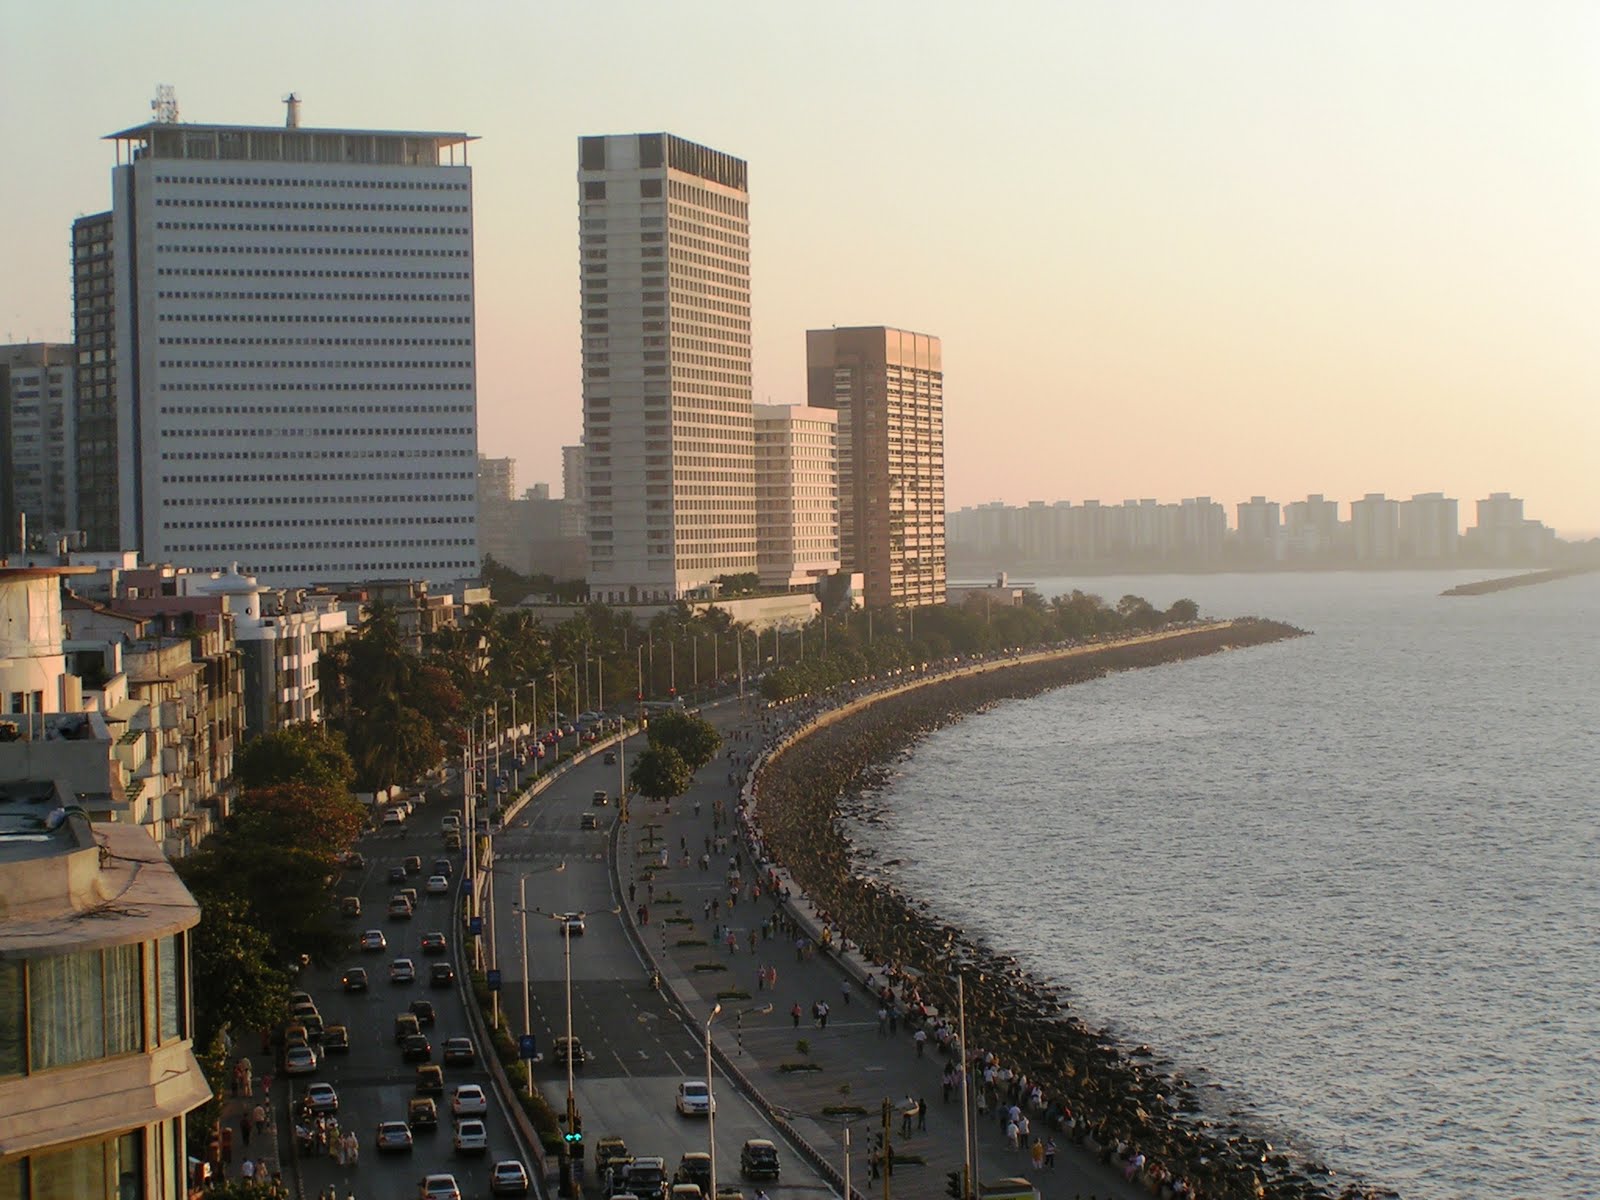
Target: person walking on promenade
{"type": "Point", "coordinates": [822, 1013]}
{"type": "Point", "coordinates": [907, 1110]}
{"type": "Point", "coordinates": [796, 1014]}
{"type": "Point", "coordinates": [1037, 1152]}
{"type": "Point", "coordinates": [259, 1116]}
{"type": "Point", "coordinates": [1013, 1135]}
{"type": "Point", "coordinates": [883, 1021]}
{"type": "Point", "coordinates": [922, 1040]}
{"type": "Point", "coordinates": [922, 1115]}
{"type": "Point", "coordinates": [1050, 1152]}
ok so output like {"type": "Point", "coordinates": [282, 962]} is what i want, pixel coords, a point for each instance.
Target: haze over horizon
{"type": "Point", "coordinates": [1229, 250]}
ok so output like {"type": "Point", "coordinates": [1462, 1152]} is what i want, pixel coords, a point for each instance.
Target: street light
{"type": "Point", "coordinates": [527, 984]}
{"type": "Point", "coordinates": [711, 1102]}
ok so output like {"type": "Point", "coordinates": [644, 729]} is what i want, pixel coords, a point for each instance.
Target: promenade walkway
{"type": "Point", "coordinates": [849, 1063]}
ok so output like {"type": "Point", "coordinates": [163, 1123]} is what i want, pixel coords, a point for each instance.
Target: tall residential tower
{"type": "Point", "coordinates": [668, 433]}
{"type": "Point", "coordinates": [295, 359]}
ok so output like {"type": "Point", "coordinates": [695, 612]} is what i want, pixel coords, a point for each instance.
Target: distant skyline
{"type": "Point", "coordinates": [1237, 249]}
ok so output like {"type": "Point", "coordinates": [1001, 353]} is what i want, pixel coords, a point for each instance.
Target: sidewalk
{"type": "Point", "coordinates": [848, 1064]}
{"type": "Point", "coordinates": [242, 1137]}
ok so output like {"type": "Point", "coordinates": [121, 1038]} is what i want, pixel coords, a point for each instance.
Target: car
{"type": "Point", "coordinates": [302, 1009]}
{"type": "Point", "coordinates": [295, 1034]}
{"type": "Point", "coordinates": [409, 895]}
{"type": "Point", "coordinates": [443, 866]}
{"type": "Point", "coordinates": [644, 1176]}
{"type": "Point", "coordinates": [350, 906]}
{"type": "Point", "coordinates": [758, 1159]}
{"type": "Point", "coordinates": [313, 1027]}
{"type": "Point", "coordinates": [400, 909]}
{"type": "Point", "coordinates": [438, 885]}
{"type": "Point", "coordinates": [397, 874]}
{"type": "Point", "coordinates": [469, 1101]}
{"type": "Point", "coordinates": [402, 970]}
{"type": "Point", "coordinates": [686, 1191]}
{"type": "Point", "coordinates": [695, 1168]}
{"type": "Point", "coordinates": [336, 1040]}
{"type": "Point", "coordinates": [422, 1113]}
{"type": "Point", "coordinates": [572, 924]}
{"type": "Point", "coordinates": [441, 975]}
{"type": "Point", "coordinates": [393, 1137]}
{"type": "Point", "coordinates": [412, 864]}
{"type": "Point", "coordinates": [452, 839]}
{"type": "Point", "coordinates": [509, 1178]}
{"type": "Point", "coordinates": [321, 1098]}
{"type": "Point", "coordinates": [352, 861]}
{"type": "Point", "coordinates": [355, 979]}
{"type": "Point", "coordinates": [459, 1052]}
{"type": "Point", "coordinates": [451, 823]}
{"type": "Point", "coordinates": [600, 798]}
{"type": "Point", "coordinates": [472, 1137]}
{"type": "Point", "coordinates": [416, 1048]}
{"type": "Point", "coordinates": [588, 821]}
{"type": "Point", "coordinates": [406, 1025]}
{"type": "Point", "coordinates": [422, 1010]}
{"type": "Point", "coordinates": [430, 1080]}
{"type": "Point", "coordinates": [373, 940]}
{"type": "Point", "coordinates": [611, 758]}
{"type": "Point", "coordinates": [439, 1187]}
{"type": "Point", "coordinates": [564, 1048]}
{"type": "Point", "coordinates": [394, 816]}
{"type": "Point", "coordinates": [299, 1060]}
{"type": "Point", "coordinates": [608, 1150]}
{"type": "Point", "coordinates": [694, 1098]}
{"type": "Point", "coordinates": [435, 943]}
{"type": "Point", "coordinates": [296, 998]}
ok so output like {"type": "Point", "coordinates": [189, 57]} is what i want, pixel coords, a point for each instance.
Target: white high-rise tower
{"type": "Point", "coordinates": [295, 352]}
{"type": "Point", "coordinates": [668, 431]}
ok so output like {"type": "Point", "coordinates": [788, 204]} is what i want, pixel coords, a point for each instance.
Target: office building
{"type": "Point", "coordinates": [497, 484]}
{"type": "Point", "coordinates": [38, 455]}
{"type": "Point", "coordinates": [668, 436]}
{"type": "Point", "coordinates": [797, 494]}
{"type": "Point", "coordinates": [888, 388]}
{"type": "Point", "coordinates": [97, 1063]}
{"type": "Point", "coordinates": [295, 358]}
{"type": "Point", "coordinates": [95, 334]}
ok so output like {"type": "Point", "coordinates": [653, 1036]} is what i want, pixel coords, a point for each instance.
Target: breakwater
{"type": "Point", "coordinates": [1484, 587]}
{"type": "Point", "coordinates": [1111, 1097]}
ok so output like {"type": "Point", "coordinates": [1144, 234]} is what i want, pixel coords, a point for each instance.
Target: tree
{"type": "Point", "coordinates": [236, 984]}
{"type": "Point", "coordinates": [282, 889]}
{"type": "Point", "coordinates": [310, 754]}
{"type": "Point", "coordinates": [694, 738]}
{"type": "Point", "coordinates": [320, 820]}
{"type": "Point", "coordinates": [1183, 610]}
{"type": "Point", "coordinates": [661, 773]}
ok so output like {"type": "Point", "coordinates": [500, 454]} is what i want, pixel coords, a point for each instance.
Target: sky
{"type": "Point", "coordinates": [1246, 247]}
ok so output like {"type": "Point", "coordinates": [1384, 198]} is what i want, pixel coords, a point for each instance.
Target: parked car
{"type": "Point", "coordinates": [459, 1052]}
{"type": "Point", "coordinates": [336, 1040]}
{"type": "Point", "coordinates": [758, 1159]}
{"type": "Point", "coordinates": [373, 940]}
{"type": "Point", "coordinates": [299, 1060]}
{"type": "Point", "coordinates": [422, 1113]}
{"type": "Point", "coordinates": [393, 1137]}
{"type": "Point", "coordinates": [355, 979]}
{"type": "Point", "coordinates": [469, 1101]}
{"type": "Point", "coordinates": [472, 1137]}
{"type": "Point", "coordinates": [509, 1178]}
{"type": "Point", "coordinates": [441, 975]}
{"type": "Point", "coordinates": [694, 1098]}
{"type": "Point", "coordinates": [434, 943]}
{"type": "Point", "coordinates": [321, 1098]}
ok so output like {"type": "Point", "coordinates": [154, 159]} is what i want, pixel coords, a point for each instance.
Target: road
{"type": "Point", "coordinates": [638, 1048]}
{"type": "Point", "coordinates": [373, 1082]}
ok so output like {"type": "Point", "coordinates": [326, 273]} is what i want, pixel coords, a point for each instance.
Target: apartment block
{"type": "Point", "coordinates": [38, 433]}
{"type": "Point", "coordinates": [888, 388]}
{"type": "Point", "coordinates": [1430, 528]}
{"type": "Point", "coordinates": [1375, 528]}
{"type": "Point", "coordinates": [797, 494]}
{"type": "Point", "coordinates": [668, 433]}
{"type": "Point", "coordinates": [99, 477]}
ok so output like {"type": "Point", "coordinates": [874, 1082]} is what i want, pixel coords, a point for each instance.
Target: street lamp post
{"type": "Point", "coordinates": [527, 989]}
{"type": "Point", "coordinates": [711, 1102]}
{"type": "Point", "coordinates": [968, 1142]}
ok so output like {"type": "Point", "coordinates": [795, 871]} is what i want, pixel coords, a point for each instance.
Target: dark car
{"type": "Point", "coordinates": [336, 1040]}
{"type": "Point", "coordinates": [416, 1048]}
{"type": "Point", "coordinates": [422, 1112]}
{"type": "Point", "coordinates": [441, 975]}
{"type": "Point", "coordinates": [423, 1011]}
{"type": "Point", "coordinates": [434, 943]}
{"type": "Point", "coordinates": [588, 821]}
{"type": "Point", "coordinates": [758, 1159]}
{"type": "Point", "coordinates": [354, 861]}
{"type": "Point", "coordinates": [458, 1052]}
{"type": "Point", "coordinates": [355, 979]}
{"type": "Point", "coordinates": [611, 758]}
{"type": "Point", "coordinates": [397, 874]}
{"type": "Point", "coordinates": [442, 866]}
{"type": "Point", "coordinates": [568, 1048]}
{"type": "Point", "coordinates": [411, 866]}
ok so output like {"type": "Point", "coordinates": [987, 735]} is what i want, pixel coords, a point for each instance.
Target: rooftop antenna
{"type": "Point", "coordinates": [291, 119]}
{"type": "Point", "coordinates": [165, 105]}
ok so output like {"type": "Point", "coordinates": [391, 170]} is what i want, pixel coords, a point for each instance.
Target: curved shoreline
{"type": "Point", "coordinates": [1116, 1093]}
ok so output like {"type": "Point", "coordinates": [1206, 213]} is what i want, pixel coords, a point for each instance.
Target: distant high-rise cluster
{"type": "Point", "coordinates": [1194, 533]}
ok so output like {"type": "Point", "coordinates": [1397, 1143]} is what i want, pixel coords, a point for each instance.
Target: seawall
{"type": "Point", "coordinates": [1116, 1094]}
{"type": "Point", "coordinates": [1528, 579]}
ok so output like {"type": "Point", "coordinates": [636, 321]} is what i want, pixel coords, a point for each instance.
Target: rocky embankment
{"type": "Point", "coordinates": [1484, 587]}
{"type": "Point", "coordinates": [1117, 1094]}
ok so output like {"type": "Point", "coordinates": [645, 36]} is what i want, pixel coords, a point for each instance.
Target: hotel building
{"type": "Point", "coordinates": [797, 494]}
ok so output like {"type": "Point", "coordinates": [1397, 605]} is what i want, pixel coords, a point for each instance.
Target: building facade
{"type": "Point", "coordinates": [38, 435]}
{"type": "Point", "coordinates": [887, 386]}
{"type": "Point", "coordinates": [668, 435]}
{"type": "Point", "coordinates": [797, 494]}
{"type": "Point", "coordinates": [497, 487]}
{"type": "Point", "coordinates": [94, 332]}
{"type": "Point", "coordinates": [1375, 528]}
{"type": "Point", "coordinates": [1430, 527]}
{"type": "Point", "coordinates": [1258, 529]}
{"type": "Point", "coordinates": [97, 1064]}
{"type": "Point", "coordinates": [295, 351]}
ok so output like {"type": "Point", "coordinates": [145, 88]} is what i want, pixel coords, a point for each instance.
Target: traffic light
{"type": "Point", "coordinates": [952, 1185]}
{"type": "Point", "coordinates": [574, 1139]}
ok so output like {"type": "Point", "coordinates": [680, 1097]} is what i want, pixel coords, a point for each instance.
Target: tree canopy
{"type": "Point", "coordinates": [295, 753]}
{"type": "Point", "coordinates": [694, 738]}
{"type": "Point", "coordinates": [660, 773]}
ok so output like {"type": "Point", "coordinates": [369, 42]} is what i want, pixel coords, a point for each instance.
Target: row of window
{"type": "Point", "coordinates": [310, 341]}
{"type": "Point", "coordinates": [265, 273]}
{"type": "Point", "coordinates": [338, 248]}
{"type": "Point", "coordinates": [313, 205]}
{"type": "Point", "coordinates": [180, 410]}
{"type": "Point", "coordinates": [270, 547]}
{"type": "Point", "coordinates": [316, 319]}
{"type": "Point", "coordinates": [272, 455]}
{"type": "Point", "coordinates": [361, 182]}
{"type": "Point", "coordinates": [324, 387]}
{"type": "Point", "coordinates": [376, 297]}
{"type": "Point", "coordinates": [407, 431]}
{"type": "Point", "coordinates": [414, 499]}
{"type": "Point", "coordinates": [321, 477]}
{"type": "Point", "coordinates": [334, 522]}
{"type": "Point", "coordinates": [341, 364]}
{"type": "Point", "coordinates": [266, 227]}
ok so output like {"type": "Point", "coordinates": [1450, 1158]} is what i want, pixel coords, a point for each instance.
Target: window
{"type": "Point", "coordinates": [13, 1013]}
{"type": "Point", "coordinates": [650, 188]}
{"type": "Point", "coordinates": [170, 973]}
{"type": "Point", "coordinates": [592, 153]}
{"type": "Point", "coordinates": [594, 190]}
{"type": "Point", "coordinates": [66, 1024]}
{"type": "Point", "coordinates": [650, 154]}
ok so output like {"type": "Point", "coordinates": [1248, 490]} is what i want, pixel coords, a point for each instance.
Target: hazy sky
{"type": "Point", "coordinates": [1172, 248]}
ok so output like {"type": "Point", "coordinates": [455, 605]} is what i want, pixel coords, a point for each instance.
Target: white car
{"type": "Point", "coordinates": [440, 1187]}
{"type": "Point", "coordinates": [438, 885]}
{"type": "Point", "coordinates": [402, 970]}
{"type": "Point", "coordinates": [321, 1098]}
{"type": "Point", "coordinates": [471, 1137]}
{"type": "Point", "coordinates": [394, 816]}
{"type": "Point", "coordinates": [373, 939]}
{"type": "Point", "coordinates": [694, 1098]}
{"type": "Point", "coordinates": [469, 1101]}
{"type": "Point", "coordinates": [299, 1060]}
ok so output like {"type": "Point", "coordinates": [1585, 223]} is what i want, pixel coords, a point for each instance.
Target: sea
{"type": "Point", "coordinates": [1349, 884]}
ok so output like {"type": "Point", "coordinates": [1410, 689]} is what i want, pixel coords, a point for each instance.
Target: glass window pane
{"type": "Point", "coordinates": [75, 1174]}
{"type": "Point", "coordinates": [171, 998]}
{"type": "Point", "coordinates": [64, 1016]}
{"type": "Point", "coordinates": [11, 1180]}
{"type": "Point", "coordinates": [124, 1032]}
{"type": "Point", "coordinates": [13, 1060]}
{"type": "Point", "coordinates": [128, 1166]}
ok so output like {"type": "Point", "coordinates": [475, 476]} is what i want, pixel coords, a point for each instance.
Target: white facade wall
{"type": "Point", "coordinates": [1375, 527]}
{"type": "Point", "coordinates": [296, 346]}
{"type": "Point", "coordinates": [1430, 526]}
{"type": "Point", "coordinates": [797, 493]}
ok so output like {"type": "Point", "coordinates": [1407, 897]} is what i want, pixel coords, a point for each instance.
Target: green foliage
{"type": "Point", "coordinates": [315, 819]}
{"type": "Point", "coordinates": [280, 888]}
{"type": "Point", "coordinates": [310, 754]}
{"type": "Point", "coordinates": [660, 773]}
{"type": "Point", "coordinates": [694, 738]}
{"type": "Point", "coordinates": [235, 980]}
{"type": "Point", "coordinates": [745, 583]}
{"type": "Point", "coordinates": [1183, 610]}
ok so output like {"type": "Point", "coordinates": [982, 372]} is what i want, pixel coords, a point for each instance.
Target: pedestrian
{"type": "Point", "coordinates": [822, 1005]}
{"type": "Point", "coordinates": [247, 1170]}
{"type": "Point", "coordinates": [633, 889]}
{"type": "Point", "coordinates": [259, 1116]}
{"type": "Point", "coordinates": [947, 1084]}
{"type": "Point", "coordinates": [796, 1014]}
{"type": "Point", "coordinates": [922, 1115]}
{"type": "Point", "coordinates": [883, 1021]}
{"type": "Point", "coordinates": [921, 1040]}
{"type": "Point", "coordinates": [1050, 1152]}
{"type": "Point", "coordinates": [1038, 1154]}
{"type": "Point", "coordinates": [844, 988]}
{"type": "Point", "coordinates": [1013, 1134]}
{"type": "Point", "coordinates": [266, 1084]}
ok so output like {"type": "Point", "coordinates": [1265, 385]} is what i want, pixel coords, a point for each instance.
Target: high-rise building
{"type": "Point", "coordinates": [1430, 527]}
{"type": "Point", "coordinates": [295, 359]}
{"type": "Point", "coordinates": [797, 494]}
{"type": "Point", "coordinates": [95, 334]}
{"type": "Point", "coordinates": [1259, 531]}
{"type": "Point", "coordinates": [668, 436]}
{"type": "Point", "coordinates": [497, 488]}
{"type": "Point", "coordinates": [888, 387]}
{"type": "Point", "coordinates": [38, 455]}
{"type": "Point", "coordinates": [1311, 526]}
{"type": "Point", "coordinates": [1375, 527]}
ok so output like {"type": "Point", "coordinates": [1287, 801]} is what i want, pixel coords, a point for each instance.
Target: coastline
{"type": "Point", "coordinates": [1117, 1095]}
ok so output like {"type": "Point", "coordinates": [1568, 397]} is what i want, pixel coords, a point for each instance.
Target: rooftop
{"type": "Point", "coordinates": [289, 144]}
